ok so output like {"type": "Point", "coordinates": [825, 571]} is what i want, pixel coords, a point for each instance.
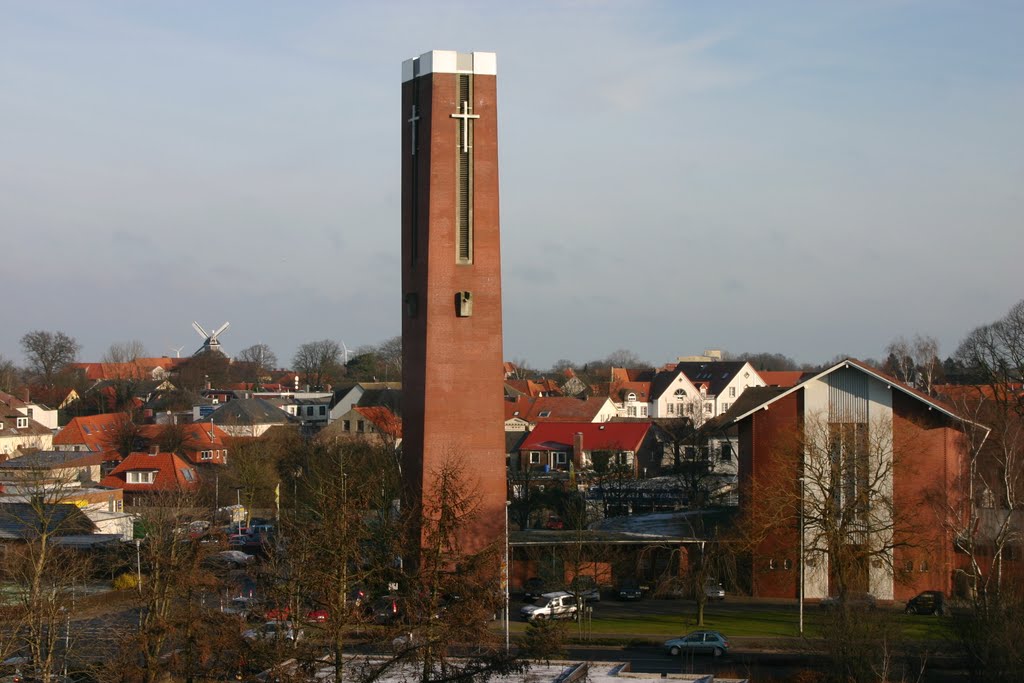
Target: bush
{"type": "Point", "coordinates": [124, 582]}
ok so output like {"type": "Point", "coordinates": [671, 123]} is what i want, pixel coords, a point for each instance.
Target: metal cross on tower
{"type": "Point", "coordinates": [465, 116]}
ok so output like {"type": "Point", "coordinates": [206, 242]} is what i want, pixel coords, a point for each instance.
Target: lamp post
{"type": "Point", "coordinates": [138, 563]}
{"type": "Point", "coordinates": [803, 481]}
{"type": "Point", "coordinates": [505, 577]}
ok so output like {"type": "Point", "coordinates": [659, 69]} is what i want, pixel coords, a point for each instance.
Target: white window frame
{"type": "Point", "coordinates": [22, 422]}
{"type": "Point", "coordinates": [561, 458]}
{"type": "Point", "coordinates": [206, 455]}
{"type": "Point", "coordinates": [534, 457]}
{"type": "Point", "coordinates": [140, 476]}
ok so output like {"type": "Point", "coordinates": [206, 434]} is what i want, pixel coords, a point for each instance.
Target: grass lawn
{"type": "Point", "coordinates": [776, 623]}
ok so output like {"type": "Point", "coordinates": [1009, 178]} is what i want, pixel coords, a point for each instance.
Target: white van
{"type": "Point", "coordinates": [557, 605]}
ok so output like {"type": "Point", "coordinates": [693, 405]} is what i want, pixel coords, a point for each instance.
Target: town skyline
{"type": "Point", "coordinates": [813, 182]}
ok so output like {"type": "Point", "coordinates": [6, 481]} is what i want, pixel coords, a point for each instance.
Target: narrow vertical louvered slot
{"type": "Point", "coordinates": [464, 193]}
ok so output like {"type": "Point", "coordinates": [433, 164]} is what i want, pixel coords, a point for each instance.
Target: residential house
{"type": "Point", "coordinates": [36, 411]}
{"type": "Point", "coordinates": [630, 391]}
{"type": "Point", "coordinates": [201, 442]}
{"type": "Point", "coordinates": [138, 369]}
{"type": "Point", "coordinates": [387, 394]}
{"type": "Point", "coordinates": [530, 411]}
{"type": "Point", "coordinates": [94, 433]}
{"type": "Point", "coordinates": [861, 445]}
{"type": "Point", "coordinates": [590, 447]}
{"type": "Point", "coordinates": [532, 387]}
{"type": "Point", "coordinates": [142, 474]}
{"type": "Point", "coordinates": [249, 417]}
{"type": "Point", "coordinates": [20, 433]}
{"type": "Point", "coordinates": [65, 477]}
{"type": "Point", "coordinates": [374, 422]}
{"type": "Point", "coordinates": [719, 384]}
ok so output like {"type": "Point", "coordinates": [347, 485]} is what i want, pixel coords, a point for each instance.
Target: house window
{"type": "Point", "coordinates": [22, 422]}
{"type": "Point", "coordinates": [360, 426]}
{"type": "Point", "coordinates": [188, 474]}
{"type": "Point", "coordinates": [643, 411]}
{"type": "Point", "coordinates": [136, 477]}
{"type": "Point", "coordinates": [726, 453]}
{"type": "Point", "coordinates": [206, 455]}
{"type": "Point", "coordinates": [679, 408]}
{"type": "Point", "coordinates": [732, 392]}
{"type": "Point", "coordinates": [631, 396]}
{"type": "Point", "coordinates": [924, 565]}
{"type": "Point", "coordinates": [631, 411]}
{"type": "Point", "coordinates": [346, 426]}
{"type": "Point", "coordinates": [773, 564]}
{"type": "Point", "coordinates": [560, 458]}
{"type": "Point", "coordinates": [544, 413]}
{"type": "Point", "coordinates": [787, 563]}
{"type": "Point", "coordinates": [31, 412]}
{"type": "Point", "coordinates": [622, 458]}
{"type": "Point", "coordinates": [680, 393]}
{"type": "Point", "coordinates": [309, 411]}
{"type": "Point", "coordinates": [708, 407]}
{"type": "Point", "coordinates": [725, 406]}
{"type": "Point", "coordinates": [670, 408]}
{"type": "Point", "coordinates": [534, 457]}
{"type": "Point", "coordinates": [848, 450]}
{"type": "Point", "coordinates": [323, 411]}
{"type": "Point", "coordinates": [908, 566]}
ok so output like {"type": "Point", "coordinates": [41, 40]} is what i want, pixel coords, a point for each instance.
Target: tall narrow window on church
{"type": "Point", "coordinates": [464, 182]}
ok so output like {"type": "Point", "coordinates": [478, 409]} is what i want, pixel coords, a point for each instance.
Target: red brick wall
{"type": "Point", "coordinates": [452, 382]}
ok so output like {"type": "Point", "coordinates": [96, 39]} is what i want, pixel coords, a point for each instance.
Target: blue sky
{"type": "Point", "coordinates": [805, 178]}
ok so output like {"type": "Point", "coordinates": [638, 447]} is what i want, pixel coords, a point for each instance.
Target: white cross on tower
{"type": "Point", "coordinates": [412, 128]}
{"type": "Point", "coordinates": [465, 116]}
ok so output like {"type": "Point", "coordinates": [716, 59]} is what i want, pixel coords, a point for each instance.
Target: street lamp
{"type": "Point", "coordinates": [138, 563]}
{"type": "Point", "coordinates": [803, 481]}
{"type": "Point", "coordinates": [505, 576]}
{"type": "Point", "coordinates": [238, 501]}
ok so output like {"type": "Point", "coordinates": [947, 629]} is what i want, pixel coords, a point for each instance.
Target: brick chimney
{"type": "Point", "coordinates": [577, 450]}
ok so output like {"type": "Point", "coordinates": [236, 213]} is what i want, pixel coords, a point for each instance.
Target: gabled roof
{"type": "Point", "coordinates": [664, 380]}
{"type": "Point", "coordinates": [632, 374]}
{"type": "Point", "coordinates": [140, 368]}
{"type": "Point", "coordinates": [554, 408]}
{"type": "Point", "coordinates": [603, 436]}
{"type": "Point", "coordinates": [9, 419]}
{"type": "Point", "coordinates": [642, 390]}
{"type": "Point", "coordinates": [95, 432]}
{"type": "Point", "coordinates": [716, 375]}
{"type": "Point", "coordinates": [766, 398]}
{"type": "Point", "coordinates": [171, 473]}
{"type": "Point", "coordinates": [249, 411]}
{"type": "Point", "coordinates": [533, 387]}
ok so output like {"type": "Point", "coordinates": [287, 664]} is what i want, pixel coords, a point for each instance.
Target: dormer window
{"type": "Point", "coordinates": [544, 413]}
{"type": "Point", "coordinates": [703, 390]}
{"type": "Point", "coordinates": [138, 477]}
{"type": "Point", "coordinates": [22, 422]}
{"type": "Point", "coordinates": [631, 396]}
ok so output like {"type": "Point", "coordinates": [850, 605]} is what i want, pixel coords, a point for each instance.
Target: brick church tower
{"type": "Point", "coordinates": [452, 382]}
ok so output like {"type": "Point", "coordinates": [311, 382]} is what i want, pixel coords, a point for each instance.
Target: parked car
{"type": "Point", "coordinates": [713, 589]}
{"type": "Point", "coordinates": [698, 643]}
{"type": "Point", "coordinates": [557, 605]}
{"type": "Point", "coordinates": [629, 589]}
{"type": "Point", "coordinates": [534, 588]}
{"type": "Point", "coordinates": [927, 602]}
{"type": "Point", "coordinates": [228, 559]}
{"type": "Point", "coordinates": [586, 588]}
{"type": "Point", "coordinates": [856, 600]}
{"type": "Point", "coordinates": [554, 522]}
{"type": "Point", "coordinates": [318, 616]}
{"type": "Point", "coordinates": [386, 610]}
{"type": "Point", "coordinates": [274, 630]}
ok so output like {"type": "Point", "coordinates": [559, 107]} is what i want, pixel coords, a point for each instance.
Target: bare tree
{"type": "Point", "coordinates": [10, 377]}
{"type": "Point", "coordinates": [914, 362]}
{"type": "Point", "coordinates": [319, 362]}
{"type": "Point", "coordinates": [124, 352]}
{"type": "Point", "coordinates": [255, 362]}
{"type": "Point", "coordinates": [48, 352]}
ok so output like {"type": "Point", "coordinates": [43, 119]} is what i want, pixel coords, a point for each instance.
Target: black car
{"type": "Point", "coordinates": [629, 589]}
{"type": "Point", "coordinates": [927, 602]}
{"type": "Point", "coordinates": [534, 588]}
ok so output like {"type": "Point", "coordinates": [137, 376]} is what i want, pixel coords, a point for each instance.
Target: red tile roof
{"type": "Point", "coordinates": [198, 437]}
{"type": "Point", "coordinates": [140, 368]}
{"type": "Point", "coordinates": [171, 473]}
{"type": "Point", "coordinates": [558, 409]}
{"type": "Point", "coordinates": [383, 419]}
{"type": "Point", "coordinates": [95, 432]}
{"type": "Point", "coordinates": [603, 436]}
{"type": "Point", "coordinates": [781, 378]}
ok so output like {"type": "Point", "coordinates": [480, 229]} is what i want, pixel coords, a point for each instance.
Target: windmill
{"type": "Point", "coordinates": [177, 350]}
{"type": "Point", "coordinates": [344, 352]}
{"type": "Point", "coordinates": [210, 340]}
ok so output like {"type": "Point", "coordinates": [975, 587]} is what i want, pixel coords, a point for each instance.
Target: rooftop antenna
{"type": "Point", "coordinates": [210, 339]}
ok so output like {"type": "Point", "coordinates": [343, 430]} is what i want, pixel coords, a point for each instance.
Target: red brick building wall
{"type": "Point", "coordinates": [451, 371]}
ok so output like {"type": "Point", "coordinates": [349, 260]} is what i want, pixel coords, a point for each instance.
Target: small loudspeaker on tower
{"type": "Point", "coordinates": [463, 304]}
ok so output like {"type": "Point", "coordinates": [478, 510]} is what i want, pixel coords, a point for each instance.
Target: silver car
{"type": "Point", "coordinates": [698, 642]}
